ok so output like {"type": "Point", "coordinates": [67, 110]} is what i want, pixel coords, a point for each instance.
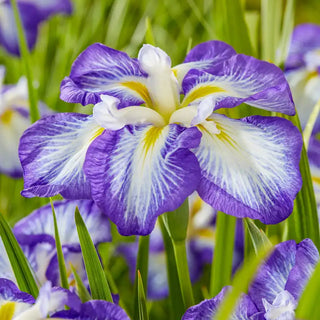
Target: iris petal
{"type": "Point", "coordinates": [139, 172]}
{"type": "Point", "coordinates": [251, 167]}
{"type": "Point", "coordinates": [52, 153]}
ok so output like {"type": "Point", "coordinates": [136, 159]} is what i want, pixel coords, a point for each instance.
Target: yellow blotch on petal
{"type": "Point", "coordinates": [150, 138]}
{"type": "Point", "coordinates": [97, 133]}
{"type": "Point", "coordinates": [7, 310]}
{"type": "Point", "coordinates": [200, 92]}
{"type": "Point", "coordinates": [139, 88]}
{"type": "Point", "coordinates": [6, 117]}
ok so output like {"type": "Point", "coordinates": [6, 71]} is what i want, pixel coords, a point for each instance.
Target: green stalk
{"type": "Point", "coordinates": [176, 223]}
{"type": "Point", "coordinates": [175, 295]}
{"type": "Point", "coordinates": [142, 268]}
{"type": "Point", "coordinates": [221, 268]}
{"type": "Point", "coordinates": [34, 112]}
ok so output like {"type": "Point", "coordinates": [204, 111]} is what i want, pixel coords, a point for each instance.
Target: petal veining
{"type": "Point", "coordinates": [251, 168]}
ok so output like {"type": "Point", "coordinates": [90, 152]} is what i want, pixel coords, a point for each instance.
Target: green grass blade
{"type": "Point", "coordinates": [230, 25]}
{"type": "Point", "coordinates": [62, 265]}
{"type": "Point", "coordinates": [18, 261]}
{"type": "Point", "coordinates": [82, 291]}
{"type": "Point", "coordinates": [143, 313]}
{"type": "Point", "coordinates": [149, 33]}
{"type": "Point", "coordinates": [142, 270]}
{"type": "Point", "coordinates": [97, 280]}
{"type": "Point", "coordinates": [34, 112]}
{"type": "Point", "coordinates": [258, 237]}
{"type": "Point", "coordinates": [309, 307]}
{"type": "Point", "coordinates": [240, 283]}
{"type": "Point", "coordinates": [221, 267]}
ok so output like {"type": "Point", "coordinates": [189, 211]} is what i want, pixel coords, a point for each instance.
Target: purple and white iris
{"type": "Point", "coordinates": [32, 12]}
{"type": "Point", "coordinates": [14, 120]}
{"type": "Point", "coordinates": [303, 69]}
{"type": "Point", "coordinates": [145, 149]}
{"type": "Point", "coordinates": [276, 289]}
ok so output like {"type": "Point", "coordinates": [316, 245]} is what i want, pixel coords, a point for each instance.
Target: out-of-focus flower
{"type": "Point", "coordinates": [143, 151]}
{"type": "Point", "coordinates": [32, 12]}
{"type": "Point", "coordinates": [35, 234]}
{"type": "Point", "coordinates": [200, 246]}
{"type": "Point", "coordinates": [276, 289]}
{"type": "Point", "coordinates": [303, 69]}
{"type": "Point", "coordinates": [18, 305]}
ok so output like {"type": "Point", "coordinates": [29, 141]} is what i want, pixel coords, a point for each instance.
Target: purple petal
{"type": "Point", "coordinates": [307, 256]}
{"type": "Point", "coordinates": [138, 173]}
{"type": "Point", "coordinates": [10, 292]}
{"type": "Point", "coordinates": [305, 37]}
{"type": "Point", "coordinates": [30, 18]}
{"type": "Point", "coordinates": [52, 153]}
{"type": "Point", "coordinates": [242, 79]}
{"type": "Point", "coordinates": [251, 168]}
{"type": "Point", "coordinates": [207, 309]}
{"type": "Point", "coordinates": [40, 222]}
{"type": "Point", "coordinates": [103, 70]}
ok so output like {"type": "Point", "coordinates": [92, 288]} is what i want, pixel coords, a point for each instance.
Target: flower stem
{"type": "Point", "coordinates": [176, 223]}
{"type": "Point", "coordinates": [142, 268]}
{"type": "Point", "coordinates": [34, 112]}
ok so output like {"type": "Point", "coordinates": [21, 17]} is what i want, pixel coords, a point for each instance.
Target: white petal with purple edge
{"type": "Point", "coordinates": [52, 152]}
{"type": "Point", "coordinates": [138, 173]}
{"type": "Point", "coordinates": [251, 168]}
{"type": "Point", "coordinates": [103, 70]}
{"type": "Point", "coordinates": [240, 79]}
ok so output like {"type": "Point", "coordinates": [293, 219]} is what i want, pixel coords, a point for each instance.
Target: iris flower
{"type": "Point", "coordinates": [32, 12]}
{"type": "Point", "coordinates": [154, 137]}
{"type": "Point", "coordinates": [276, 289]}
{"type": "Point", "coordinates": [303, 69]}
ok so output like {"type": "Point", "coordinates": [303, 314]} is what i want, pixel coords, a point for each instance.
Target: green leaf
{"type": "Point", "coordinates": [175, 295]}
{"type": "Point", "coordinates": [34, 112]}
{"type": "Point", "coordinates": [62, 265]}
{"type": "Point", "coordinates": [258, 237]}
{"type": "Point", "coordinates": [149, 33]}
{"type": "Point", "coordinates": [18, 261]}
{"type": "Point", "coordinates": [221, 268]}
{"type": "Point", "coordinates": [143, 313]}
{"type": "Point", "coordinates": [230, 25]}
{"type": "Point", "coordinates": [310, 124]}
{"type": "Point", "coordinates": [82, 291]}
{"type": "Point", "coordinates": [98, 283]}
{"type": "Point", "coordinates": [142, 270]}
{"type": "Point", "coordinates": [240, 284]}
{"type": "Point", "coordinates": [309, 307]}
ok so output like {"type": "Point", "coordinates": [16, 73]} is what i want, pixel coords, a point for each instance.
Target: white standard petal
{"type": "Point", "coordinates": [161, 82]}
{"type": "Point", "coordinates": [108, 116]}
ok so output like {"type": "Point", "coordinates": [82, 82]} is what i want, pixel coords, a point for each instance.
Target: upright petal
{"type": "Point", "coordinates": [305, 37]}
{"type": "Point", "coordinates": [138, 173]}
{"type": "Point", "coordinates": [103, 70]}
{"type": "Point", "coordinates": [240, 79]}
{"type": "Point", "coordinates": [52, 153]}
{"type": "Point", "coordinates": [251, 168]}
{"type": "Point", "coordinates": [203, 57]}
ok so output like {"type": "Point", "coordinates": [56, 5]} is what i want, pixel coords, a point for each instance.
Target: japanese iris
{"type": "Point", "coordinates": [154, 138]}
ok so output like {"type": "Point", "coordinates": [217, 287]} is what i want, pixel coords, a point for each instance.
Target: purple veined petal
{"type": "Point", "coordinates": [5, 266]}
{"type": "Point", "coordinates": [251, 168]}
{"type": "Point", "coordinates": [50, 7]}
{"type": "Point", "coordinates": [8, 33]}
{"type": "Point", "coordinates": [95, 309]}
{"type": "Point", "coordinates": [288, 268]}
{"type": "Point", "coordinates": [203, 57]}
{"type": "Point", "coordinates": [240, 79]}
{"type": "Point", "coordinates": [103, 70]}
{"type": "Point", "coordinates": [305, 37]}
{"type": "Point", "coordinates": [138, 173]}
{"type": "Point", "coordinates": [207, 309]}
{"type": "Point", "coordinates": [307, 257]}
{"type": "Point", "coordinates": [40, 222]}
{"type": "Point", "coordinates": [52, 152]}
{"type": "Point", "coordinates": [12, 126]}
